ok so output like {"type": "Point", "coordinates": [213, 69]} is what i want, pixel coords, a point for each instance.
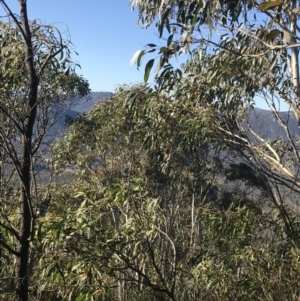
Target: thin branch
{"type": "Point", "coordinates": [14, 18]}
{"type": "Point", "coordinates": [9, 249]}
{"type": "Point", "coordinates": [11, 229]}
{"type": "Point", "coordinates": [3, 110]}
{"type": "Point", "coordinates": [52, 55]}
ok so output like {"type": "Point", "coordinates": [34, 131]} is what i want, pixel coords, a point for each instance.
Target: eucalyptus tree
{"type": "Point", "coordinates": [140, 219]}
{"type": "Point", "coordinates": [259, 28]}
{"type": "Point", "coordinates": [253, 34]}
{"type": "Point", "coordinates": [135, 167]}
{"type": "Point", "coordinates": [36, 72]}
{"type": "Point", "coordinates": [237, 53]}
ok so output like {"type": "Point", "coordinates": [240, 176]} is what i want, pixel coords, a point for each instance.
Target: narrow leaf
{"type": "Point", "coordinates": [268, 5]}
{"type": "Point", "coordinates": [148, 69]}
{"type": "Point", "coordinates": [67, 72]}
{"type": "Point", "coordinates": [195, 18]}
{"type": "Point", "coordinates": [139, 60]}
{"type": "Point", "coordinates": [165, 15]}
{"type": "Point", "coordinates": [251, 4]}
{"type": "Point", "coordinates": [170, 38]}
{"type": "Point", "coordinates": [192, 6]}
{"type": "Point", "coordinates": [168, 26]}
{"type": "Point", "coordinates": [151, 45]}
{"type": "Point", "coordinates": [135, 57]}
{"type": "Point", "coordinates": [80, 298]}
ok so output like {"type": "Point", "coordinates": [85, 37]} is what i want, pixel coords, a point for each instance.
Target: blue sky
{"type": "Point", "coordinates": [105, 34]}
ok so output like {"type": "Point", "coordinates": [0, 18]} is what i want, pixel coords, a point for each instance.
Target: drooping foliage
{"type": "Point", "coordinates": [147, 216]}
{"type": "Point", "coordinates": [242, 54]}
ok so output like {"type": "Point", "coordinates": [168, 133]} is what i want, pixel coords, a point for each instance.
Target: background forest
{"type": "Point", "coordinates": [172, 190]}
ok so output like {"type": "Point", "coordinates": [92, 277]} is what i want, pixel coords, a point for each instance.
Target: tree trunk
{"type": "Point", "coordinates": [25, 227]}
{"type": "Point", "coordinates": [26, 213]}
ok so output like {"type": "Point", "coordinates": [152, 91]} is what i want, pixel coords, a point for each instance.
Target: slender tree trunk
{"type": "Point", "coordinates": [25, 227]}
{"type": "Point", "coordinates": [295, 63]}
{"type": "Point", "coordinates": [26, 213]}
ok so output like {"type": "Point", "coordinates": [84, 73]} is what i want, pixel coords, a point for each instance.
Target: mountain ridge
{"type": "Point", "coordinates": [262, 121]}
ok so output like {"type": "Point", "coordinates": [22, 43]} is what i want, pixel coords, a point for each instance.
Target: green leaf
{"type": "Point", "coordinates": [67, 72]}
{"type": "Point", "coordinates": [168, 26]}
{"type": "Point", "coordinates": [151, 45]}
{"type": "Point", "coordinates": [192, 6]}
{"type": "Point", "coordinates": [170, 38]}
{"type": "Point", "coordinates": [268, 5]}
{"type": "Point", "coordinates": [163, 50]}
{"type": "Point", "coordinates": [273, 34]}
{"type": "Point", "coordinates": [148, 69]}
{"type": "Point", "coordinates": [80, 298]}
{"type": "Point", "coordinates": [251, 4]}
{"type": "Point", "coordinates": [164, 21]}
{"type": "Point", "coordinates": [165, 15]}
{"type": "Point", "coordinates": [195, 18]}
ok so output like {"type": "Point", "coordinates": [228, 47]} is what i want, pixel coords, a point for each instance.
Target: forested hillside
{"type": "Point", "coordinates": [180, 188]}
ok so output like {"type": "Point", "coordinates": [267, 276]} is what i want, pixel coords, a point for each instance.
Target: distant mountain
{"type": "Point", "coordinates": [76, 107]}
{"type": "Point", "coordinates": [262, 121]}
{"type": "Point", "coordinates": [265, 123]}
{"type": "Point", "coordinates": [82, 105]}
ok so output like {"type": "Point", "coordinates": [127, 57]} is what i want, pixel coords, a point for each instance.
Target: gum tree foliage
{"type": "Point", "coordinates": [139, 220]}
{"type": "Point", "coordinates": [127, 163]}
{"type": "Point", "coordinates": [36, 72]}
{"type": "Point", "coordinates": [256, 29]}
{"type": "Point", "coordinates": [142, 218]}
{"type": "Point", "coordinates": [237, 53]}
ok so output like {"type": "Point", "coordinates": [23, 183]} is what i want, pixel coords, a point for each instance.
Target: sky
{"type": "Point", "coordinates": [105, 34]}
